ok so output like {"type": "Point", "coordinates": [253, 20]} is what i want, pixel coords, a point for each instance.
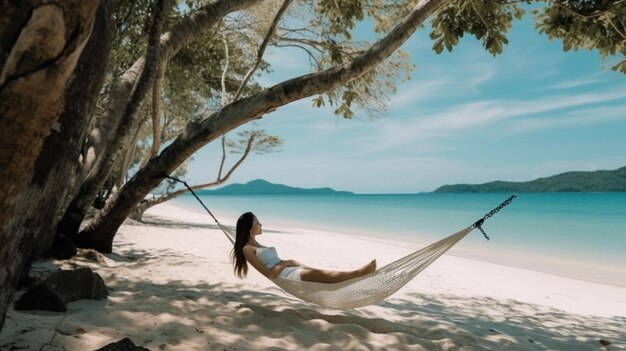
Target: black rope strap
{"type": "Point", "coordinates": [480, 222]}
{"type": "Point", "coordinates": [194, 194]}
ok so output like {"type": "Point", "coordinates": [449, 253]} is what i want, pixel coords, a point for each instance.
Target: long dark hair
{"type": "Point", "coordinates": [244, 224]}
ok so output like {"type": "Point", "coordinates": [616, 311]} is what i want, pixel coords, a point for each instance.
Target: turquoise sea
{"type": "Point", "coordinates": [581, 235]}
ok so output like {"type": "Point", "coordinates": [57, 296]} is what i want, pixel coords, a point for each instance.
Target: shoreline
{"type": "Point", "coordinates": [171, 287]}
{"type": "Point", "coordinates": [388, 250]}
{"type": "Point", "coordinates": [538, 261]}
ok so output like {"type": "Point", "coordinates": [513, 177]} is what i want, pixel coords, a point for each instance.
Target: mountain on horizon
{"type": "Point", "coordinates": [263, 187]}
{"type": "Point", "coordinates": [578, 181]}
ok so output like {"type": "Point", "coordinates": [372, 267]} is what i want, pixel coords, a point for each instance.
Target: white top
{"type": "Point", "coordinates": [268, 256]}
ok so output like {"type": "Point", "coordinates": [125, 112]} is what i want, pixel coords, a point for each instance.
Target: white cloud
{"type": "Point", "coordinates": [286, 63]}
{"type": "Point", "coordinates": [453, 100]}
{"type": "Point", "coordinates": [288, 59]}
{"type": "Point", "coordinates": [579, 117]}
{"type": "Point", "coordinates": [401, 131]}
{"type": "Point", "coordinates": [576, 83]}
{"type": "Point", "coordinates": [433, 83]}
{"type": "Point", "coordinates": [417, 91]}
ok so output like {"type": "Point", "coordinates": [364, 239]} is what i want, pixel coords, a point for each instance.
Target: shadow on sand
{"type": "Point", "coordinates": [178, 315]}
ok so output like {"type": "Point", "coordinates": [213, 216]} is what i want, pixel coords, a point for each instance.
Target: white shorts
{"type": "Point", "coordinates": [291, 273]}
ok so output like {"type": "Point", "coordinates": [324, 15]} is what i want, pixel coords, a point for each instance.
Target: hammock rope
{"type": "Point", "coordinates": [224, 228]}
{"type": "Point", "coordinates": [373, 287]}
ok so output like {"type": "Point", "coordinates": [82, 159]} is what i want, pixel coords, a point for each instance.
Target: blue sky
{"type": "Point", "coordinates": [464, 117]}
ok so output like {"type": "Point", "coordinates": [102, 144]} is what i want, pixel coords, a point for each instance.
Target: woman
{"type": "Point", "coordinates": [267, 262]}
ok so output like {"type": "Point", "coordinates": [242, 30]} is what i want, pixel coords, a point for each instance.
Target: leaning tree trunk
{"type": "Point", "coordinates": [116, 138]}
{"type": "Point", "coordinates": [41, 44]}
{"type": "Point", "coordinates": [100, 232]}
{"type": "Point", "coordinates": [59, 156]}
{"type": "Point", "coordinates": [121, 117]}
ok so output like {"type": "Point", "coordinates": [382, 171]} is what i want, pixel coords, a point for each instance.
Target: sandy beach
{"type": "Point", "coordinates": [172, 288]}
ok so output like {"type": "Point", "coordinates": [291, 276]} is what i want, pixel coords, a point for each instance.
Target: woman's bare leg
{"type": "Point", "coordinates": [322, 276]}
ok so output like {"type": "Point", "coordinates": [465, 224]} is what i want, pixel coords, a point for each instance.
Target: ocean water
{"type": "Point", "coordinates": [582, 235]}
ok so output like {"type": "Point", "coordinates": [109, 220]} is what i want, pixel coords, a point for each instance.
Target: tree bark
{"type": "Point", "coordinates": [116, 140]}
{"type": "Point", "coordinates": [100, 232]}
{"type": "Point", "coordinates": [129, 155]}
{"type": "Point", "coordinates": [44, 42]}
{"type": "Point", "coordinates": [58, 159]}
{"type": "Point", "coordinates": [156, 114]}
{"type": "Point", "coordinates": [119, 120]}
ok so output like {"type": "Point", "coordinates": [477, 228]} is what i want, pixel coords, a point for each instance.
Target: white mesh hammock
{"type": "Point", "coordinates": [370, 288]}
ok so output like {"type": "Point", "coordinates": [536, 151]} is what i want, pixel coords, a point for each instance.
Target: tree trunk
{"type": "Point", "coordinates": [129, 155]}
{"type": "Point", "coordinates": [156, 115]}
{"type": "Point", "coordinates": [116, 138]}
{"type": "Point", "coordinates": [58, 159]}
{"type": "Point", "coordinates": [120, 117]}
{"type": "Point", "coordinates": [100, 232]}
{"type": "Point", "coordinates": [44, 42]}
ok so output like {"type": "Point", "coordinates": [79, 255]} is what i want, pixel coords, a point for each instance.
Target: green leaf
{"type": "Point", "coordinates": [318, 101]}
{"type": "Point", "coordinates": [620, 67]}
{"type": "Point", "coordinates": [438, 46]}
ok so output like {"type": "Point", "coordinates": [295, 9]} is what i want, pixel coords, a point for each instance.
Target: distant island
{"type": "Point", "coordinates": [596, 181]}
{"type": "Point", "coordinates": [263, 187]}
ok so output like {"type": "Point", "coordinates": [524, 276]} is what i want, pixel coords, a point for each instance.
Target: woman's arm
{"type": "Point", "coordinates": [249, 253]}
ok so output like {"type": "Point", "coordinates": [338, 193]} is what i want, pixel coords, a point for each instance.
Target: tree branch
{"type": "Point", "coordinates": [480, 15]}
{"type": "Point", "coordinates": [243, 157]}
{"type": "Point", "coordinates": [121, 29]}
{"type": "Point", "coordinates": [152, 62]}
{"type": "Point", "coordinates": [148, 74]}
{"type": "Point", "coordinates": [156, 113]}
{"type": "Point", "coordinates": [263, 47]}
{"type": "Point", "coordinates": [219, 173]}
{"type": "Point", "coordinates": [591, 15]}
{"type": "Point", "coordinates": [198, 134]}
{"type": "Point", "coordinates": [311, 56]}
{"type": "Point", "coordinates": [179, 36]}
{"type": "Point", "coordinates": [224, 72]}
{"type": "Point", "coordinates": [223, 103]}
{"type": "Point", "coordinates": [115, 144]}
{"type": "Point", "coordinates": [317, 45]}
{"type": "Point", "coordinates": [616, 29]}
{"type": "Point", "coordinates": [218, 181]}
{"type": "Point", "coordinates": [128, 155]}
{"type": "Point", "coordinates": [298, 30]}
{"type": "Point", "coordinates": [510, 2]}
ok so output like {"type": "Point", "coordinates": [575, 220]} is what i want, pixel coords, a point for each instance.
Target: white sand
{"type": "Point", "coordinates": [172, 288]}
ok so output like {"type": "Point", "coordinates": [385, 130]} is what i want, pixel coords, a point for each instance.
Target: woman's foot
{"type": "Point", "coordinates": [368, 268]}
